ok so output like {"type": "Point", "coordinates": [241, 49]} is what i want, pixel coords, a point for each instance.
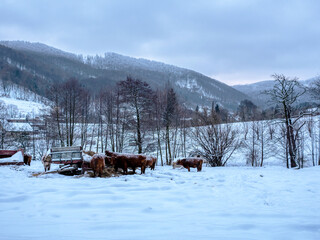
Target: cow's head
{"type": "Point", "coordinates": [108, 153]}
{"type": "Point", "coordinates": [112, 160]}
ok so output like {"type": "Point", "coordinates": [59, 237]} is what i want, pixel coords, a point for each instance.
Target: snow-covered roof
{"type": "Point", "coordinates": [17, 157]}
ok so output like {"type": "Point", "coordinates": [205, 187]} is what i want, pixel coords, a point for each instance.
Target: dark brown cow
{"type": "Point", "coordinates": [151, 162]}
{"type": "Point", "coordinates": [125, 161]}
{"type": "Point", "coordinates": [97, 164]}
{"type": "Point", "coordinates": [27, 159]}
{"type": "Point", "coordinates": [193, 162]}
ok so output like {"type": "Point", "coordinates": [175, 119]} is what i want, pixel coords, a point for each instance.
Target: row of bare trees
{"type": "Point", "coordinates": [132, 114]}
{"type": "Point", "coordinates": [263, 138]}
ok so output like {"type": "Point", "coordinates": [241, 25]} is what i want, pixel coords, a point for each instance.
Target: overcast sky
{"type": "Point", "coordinates": [237, 41]}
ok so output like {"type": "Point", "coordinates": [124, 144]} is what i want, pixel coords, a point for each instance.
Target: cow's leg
{"type": "Point", "coordinates": [188, 169]}
{"type": "Point", "coordinates": [134, 170]}
{"type": "Point", "coordinates": [125, 168]}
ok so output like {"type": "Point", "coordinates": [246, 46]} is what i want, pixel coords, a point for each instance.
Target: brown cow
{"type": "Point", "coordinates": [46, 161]}
{"type": "Point", "coordinates": [27, 159]}
{"type": "Point", "coordinates": [97, 164]}
{"type": "Point", "coordinates": [151, 162]}
{"type": "Point", "coordinates": [125, 161]}
{"type": "Point", "coordinates": [193, 162]}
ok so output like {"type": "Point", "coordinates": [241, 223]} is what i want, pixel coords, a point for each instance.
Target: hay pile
{"type": "Point", "coordinates": [36, 174]}
{"type": "Point", "coordinates": [107, 172]}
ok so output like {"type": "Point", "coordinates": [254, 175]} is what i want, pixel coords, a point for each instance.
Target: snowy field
{"type": "Point", "coordinates": [217, 203]}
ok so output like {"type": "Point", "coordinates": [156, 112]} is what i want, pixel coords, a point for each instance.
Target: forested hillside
{"type": "Point", "coordinates": [38, 66]}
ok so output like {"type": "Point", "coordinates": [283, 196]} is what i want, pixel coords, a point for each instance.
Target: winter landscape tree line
{"type": "Point", "coordinates": [132, 116]}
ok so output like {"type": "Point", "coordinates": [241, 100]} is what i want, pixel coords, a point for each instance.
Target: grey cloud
{"type": "Point", "coordinates": [217, 38]}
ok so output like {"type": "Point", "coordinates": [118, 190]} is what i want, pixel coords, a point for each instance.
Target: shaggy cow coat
{"type": "Point", "coordinates": [151, 162]}
{"type": "Point", "coordinates": [27, 159]}
{"type": "Point", "coordinates": [125, 161]}
{"type": "Point", "coordinates": [191, 163]}
{"type": "Point", "coordinates": [97, 164]}
{"type": "Point", "coordinates": [46, 161]}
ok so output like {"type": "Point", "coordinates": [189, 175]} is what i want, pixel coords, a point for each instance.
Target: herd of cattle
{"type": "Point", "coordinates": [134, 161]}
{"type": "Point", "coordinates": [98, 162]}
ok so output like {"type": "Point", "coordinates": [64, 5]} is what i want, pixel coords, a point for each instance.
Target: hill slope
{"type": "Point", "coordinates": [20, 102]}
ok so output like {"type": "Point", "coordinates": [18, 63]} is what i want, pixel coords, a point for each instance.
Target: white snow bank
{"type": "Point", "coordinates": [217, 203]}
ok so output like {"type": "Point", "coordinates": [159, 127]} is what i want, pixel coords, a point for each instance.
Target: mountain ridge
{"type": "Point", "coordinates": [256, 90]}
{"type": "Point", "coordinates": [49, 65]}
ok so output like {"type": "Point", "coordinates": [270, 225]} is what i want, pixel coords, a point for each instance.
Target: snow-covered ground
{"type": "Point", "coordinates": [217, 203]}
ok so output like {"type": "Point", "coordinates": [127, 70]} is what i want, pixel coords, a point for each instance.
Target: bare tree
{"type": "Point", "coordinates": [22, 140]}
{"type": "Point", "coordinates": [311, 133]}
{"type": "Point", "coordinates": [215, 142]}
{"type": "Point", "coordinates": [245, 129]}
{"type": "Point", "coordinates": [315, 91]}
{"type": "Point", "coordinates": [247, 110]}
{"type": "Point", "coordinates": [67, 100]}
{"type": "Point", "coordinates": [252, 145]}
{"type": "Point", "coordinates": [160, 102]}
{"type": "Point", "coordinates": [116, 120]}
{"type": "Point", "coordinates": [3, 124]}
{"type": "Point", "coordinates": [139, 96]}
{"type": "Point", "coordinates": [169, 115]}
{"type": "Point", "coordinates": [285, 92]}
{"type": "Point", "coordinates": [84, 117]}
{"type": "Point", "coordinates": [259, 145]}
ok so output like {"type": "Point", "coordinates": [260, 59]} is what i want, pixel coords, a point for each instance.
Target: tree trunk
{"type": "Point", "coordinates": [159, 145]}
{"type": "Point", "coordinates": [287, 154]}
{"type": "Point", "coordinates": [168, 144]}
{"type": "Point", "coordinates": [139, 140]}
{"type": "Point", "coordinates": [262, 145]}
{"type": "Point", "coordinates": [290, 137]}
